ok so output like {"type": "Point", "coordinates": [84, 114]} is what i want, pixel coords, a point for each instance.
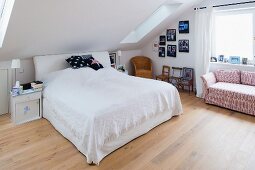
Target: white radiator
{"type": "Point", "coordinates": [4, 96]}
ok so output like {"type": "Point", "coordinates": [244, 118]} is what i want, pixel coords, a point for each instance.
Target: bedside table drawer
{"type": "Point", "coordinates": [25, 98]}
{"type": "Point", "coordinates": [27, 111]}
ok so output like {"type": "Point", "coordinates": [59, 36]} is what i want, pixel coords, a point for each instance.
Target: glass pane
{"type": "Point", "coordinates": [234, 35]}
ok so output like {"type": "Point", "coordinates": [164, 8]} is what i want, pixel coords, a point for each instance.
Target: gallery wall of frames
{"type": "Point", "coordinates": [168, 44]}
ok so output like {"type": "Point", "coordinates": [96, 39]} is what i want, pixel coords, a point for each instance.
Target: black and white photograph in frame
{"type": "Point", "coordinates": [162, 40]}
{"type": "Point", "coordinates": [171, 35]}
{"type": "Point", "coordinates": [113, 59]}
{"type": "Point", "coordinates": [161, 51]}
{"type": "Point", "coordinates": [184, 46]}
{"type": "Point", "coordinates": [171, 50]}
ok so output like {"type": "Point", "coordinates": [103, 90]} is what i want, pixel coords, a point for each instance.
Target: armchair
{"type": "Point", "coordinates": [142, 66]}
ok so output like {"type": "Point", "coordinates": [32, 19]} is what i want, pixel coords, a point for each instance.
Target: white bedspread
{"type": "Point", "coordinates": [99, 106]}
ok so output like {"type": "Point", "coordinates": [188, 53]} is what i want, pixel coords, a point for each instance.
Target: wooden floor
{"type": "Point", "coordinates": [204, 137]}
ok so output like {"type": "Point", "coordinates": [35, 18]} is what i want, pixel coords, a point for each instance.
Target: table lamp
{"type": "Point", "coordinates": [15, 65]}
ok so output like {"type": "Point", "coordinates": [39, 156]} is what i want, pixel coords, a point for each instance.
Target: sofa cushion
{"type": "Point", "coordinates": [237, 88]}
{"type": "Point", "coordinates": [228, 76]}
{"type": "Point", "coordinates": [248, 78]}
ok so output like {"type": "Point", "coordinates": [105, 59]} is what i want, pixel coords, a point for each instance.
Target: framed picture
{"type": "Point", "coordinates": [113, 59]}
{"type": "Point", "coordinates": [162, 40]}
{"type": "Point", "coordinates": [221, 58]}
{"type": "Point", "coordinates": [161, 51]}
{"type": "Point", "coordinates": [183, 27]}
{"type": "Point", "coordinates": [234, 60]}
{"type": "Point", "coordinates": [213, 59]}
{"type": "Point", "coordinates": [171, 50]}
{"type": "Point", "coordinates": [184, 46]}
{"type": "Point", "coordinates": [245, 61]}
{"type": "Point", "coordinates": [171, 35]}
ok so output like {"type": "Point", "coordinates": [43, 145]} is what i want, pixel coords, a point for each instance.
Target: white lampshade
{"type": "Point", "coordinates": [15, 63]}
{"type": "Point", "coordinates": [119, 53]}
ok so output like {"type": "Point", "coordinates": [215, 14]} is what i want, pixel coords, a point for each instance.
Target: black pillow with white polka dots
{"type": "Point", "coordinates": [76, 62]}
{"type": "Point", "coordinates": [91, 62]}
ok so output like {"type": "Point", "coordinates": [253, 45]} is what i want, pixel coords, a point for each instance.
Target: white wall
{"type": "Point", "coordinates": [45, 27]}
{"type": "Point", "coordinates": [206, 3]}
{"type": "Point", "coordinates": [25, 74]}
{"type": "Point", "coordinates": [181, 59]}
{"type": "Point", "coordinates": [125, 59]}
{"type": "Point", "coordinates": [27, 71]}
{"type": "Point", "coordinates": [188, 59]}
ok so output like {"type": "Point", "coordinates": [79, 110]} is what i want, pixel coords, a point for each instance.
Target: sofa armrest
{"type": "Point", "coordinates": [207, 80]}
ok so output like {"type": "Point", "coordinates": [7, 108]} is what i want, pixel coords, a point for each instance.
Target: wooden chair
{"type": "Point", "coordinates": [165, 76]}
{"type": "Point", "coordinates": [187, 78]}
{"type": "Point", "coordinates": [142, 66]}
{"type": "Point", "coordinates": [176, 75]}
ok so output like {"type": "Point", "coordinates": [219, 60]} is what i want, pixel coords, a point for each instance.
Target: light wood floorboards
{"type": "Point", "coordinates": [204, 137]}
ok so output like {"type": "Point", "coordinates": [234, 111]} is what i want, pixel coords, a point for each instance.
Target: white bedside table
{"type": "Point", "coordinates": [26, 107]}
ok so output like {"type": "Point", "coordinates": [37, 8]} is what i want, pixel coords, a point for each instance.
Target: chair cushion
{"type": "Point", "coordinates": [248, 78]}
{"type": "Point", "coordinates": [185, 82]}
{"type": "Point", "coordinates": [228, 76]}
{"type": "Point", "coordinates": [143, 71]}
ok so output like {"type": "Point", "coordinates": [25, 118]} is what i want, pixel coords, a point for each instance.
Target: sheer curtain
{"type": "Point", "coordinates": [203, 39]}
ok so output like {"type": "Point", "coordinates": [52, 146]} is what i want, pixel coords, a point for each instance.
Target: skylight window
{"type": "Point", "coordinates": [5, 14]}
{"type": "Point", "coordinates": [149, 24]}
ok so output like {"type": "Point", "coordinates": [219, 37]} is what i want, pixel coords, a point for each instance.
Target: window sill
{"type": "Point", "coordinates": [217, 65]}
{"type": "Point", "coordinates": [239, 65]}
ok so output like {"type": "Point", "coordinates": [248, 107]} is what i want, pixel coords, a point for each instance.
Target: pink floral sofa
{"type": "Point", "coordinates": [232, 89]}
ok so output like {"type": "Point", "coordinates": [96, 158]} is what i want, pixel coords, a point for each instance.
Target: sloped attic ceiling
{"type": "Point", "coordinates": [39, 27]}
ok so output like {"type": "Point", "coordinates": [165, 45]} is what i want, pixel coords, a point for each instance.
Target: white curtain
{"type": "Point", "coordinates": [203, 39]}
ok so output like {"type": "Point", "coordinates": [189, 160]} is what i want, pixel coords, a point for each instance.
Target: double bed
{"type": "Point", "coordinates": [100, 111]}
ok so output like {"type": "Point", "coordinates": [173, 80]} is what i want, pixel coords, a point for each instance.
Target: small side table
{"type": "Point", "coordinates": [26, 107]}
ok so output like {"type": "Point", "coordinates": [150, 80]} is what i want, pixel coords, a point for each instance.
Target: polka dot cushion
{"type": "Point", "coordinates": [91, 62]}
{"type": "Point", "coordinates": [76, 62]}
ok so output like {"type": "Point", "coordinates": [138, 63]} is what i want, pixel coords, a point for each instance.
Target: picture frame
{"type": "Point", "coordinates": [162, 40]}
{"type": "Point", "coordinates": [234, 60]}
{"type": "Point", "coordinates": [183, 27]}
{"type": "Point", "coordinates": [221, 58]}
{"type": "Point", "coordinates": [161, 51]}
{"type": "Point", "coordinates": [244, 61]}
{"type": "Point", "coordinates": [214, 59]}
{"type": "Point", "coordinates": [171, 34]}
{"type": "Point", "coordinates": [113, 59]}
{"type": "Point", "coordinates": [184, 46]}
{"type": "Point", "coordinates": [171, 50]}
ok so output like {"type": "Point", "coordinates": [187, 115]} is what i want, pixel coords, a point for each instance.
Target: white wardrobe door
{"type": "Point", "coordinates": [3, 91]}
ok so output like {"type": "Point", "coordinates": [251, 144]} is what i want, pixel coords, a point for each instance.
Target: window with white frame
{"type": "Point", "coordinates": [234, 34]}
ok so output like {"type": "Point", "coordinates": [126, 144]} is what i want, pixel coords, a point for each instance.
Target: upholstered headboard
{"type": "Point", "coordinates": [50, 63]}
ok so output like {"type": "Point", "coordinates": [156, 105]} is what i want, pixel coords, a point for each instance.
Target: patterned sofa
{"type": "Point", "coordinates": [232, 89]}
